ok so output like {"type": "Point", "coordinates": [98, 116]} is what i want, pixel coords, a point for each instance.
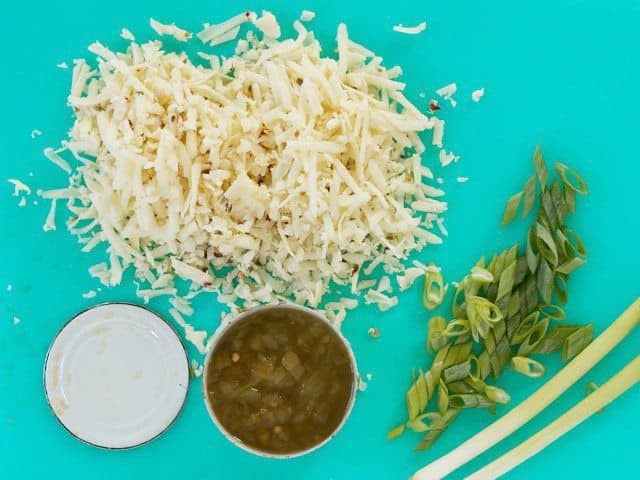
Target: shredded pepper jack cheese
{"type": "Point", "coordinates": [277, 174]}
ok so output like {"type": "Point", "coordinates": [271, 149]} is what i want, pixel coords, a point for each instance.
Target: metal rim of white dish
{"type": "Point", "coordinates": [219, 333]}
{"type": "Point", "coordinates": [169, 381]}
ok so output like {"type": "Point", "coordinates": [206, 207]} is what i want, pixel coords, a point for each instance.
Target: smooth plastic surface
{"type": "Point", "coordinates": [116, 376]}
{"type": "Point", "coordinates": [562, 74]}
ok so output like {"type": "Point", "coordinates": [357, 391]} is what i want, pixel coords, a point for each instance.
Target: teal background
{"type": "Point", "coordinates": [561, 73]}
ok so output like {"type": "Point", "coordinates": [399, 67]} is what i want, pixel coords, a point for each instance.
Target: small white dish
{"type": "Point", "coordinates": [116, 376]}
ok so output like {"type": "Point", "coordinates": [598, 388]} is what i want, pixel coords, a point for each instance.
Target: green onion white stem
{"type": "Point", "coordinates": [524, 412]}
{"type": "Point", "coordinates": [620, 383]}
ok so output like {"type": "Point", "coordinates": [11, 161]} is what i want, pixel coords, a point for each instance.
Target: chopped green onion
{"type": "Point", "coordinates": [507, 304]}
{"type": "Point", "coordinates": [554, 312]}
{"type": "Point", "coordinates": [436, 429]}
{"type": "Point", "coordinates": [559, 203]}
{"type": "Point", "coordinates": [469, 400]}
{"type": "Point", "coordinates": [529, 196]}
{"type": "Point", "coordinates": [481, 275]}
{"type": "Point", "coordinates": [434, 290]}
{"type": "Point", "coordinates": [443, 397]}
{"type": "Point", "coordinates": [418, 425]}
{"type": "Point", "coordinates": [525, 327]}
{"type": "Point", "coordinates": [535, 336]}
{"type": "Point", "coordinates": [497, 395]}
{"type": "Point", "coordinates": [576, 342]}
{"type": "Point", "coordinates": [570, 199]}
{"type": "Point", "coordinates": [565, 173]}
{"type": "Point", "coordinates": [456, 372]}
{"type": "Point", "coordinates": [511, 210]}
{"type": "Point", "coordinates": [575, 245]}
{"type": "Point", "coordinates": [527, 366]}
{"type": "Point", "coordinates": [458, 354]}
{"type": "Point", "coordinates": [532, 252]}
{"type": "Point", "coordinates": [482, 314]}
{"type": "Point", "coordinates": [545, 281]}
{"type": "Point", "coordinates": [547, 210]}
{"type": "Point", "coordinates": [507, 278]}
{"type": "Point", "coordinates": [553, 340]}
{"type": "Point", "coordinates": [435, 338]}
{"type": "Point", "coordinates": [484, 364]}
{"type": "Point", "coordinates": [456, 328]}
{"type": "Point", "coordinates": [546, 244]}
{"type": "Point", "coordinates": [570, 265]}
{"type": "Point", "coordinates": [541, 167]}
{"type": "Point", "coordinates": [459, 300]}
{"type": "Point", "coordinates": [395, 432]}
{"type": "Point", "coordinates": [461, 387]}
{"type": "Point", "coordinates": [560, 288]}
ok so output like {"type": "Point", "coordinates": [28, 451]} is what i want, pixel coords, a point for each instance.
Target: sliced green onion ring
{"type": "Point", "coordinates": [546, 244]}
{"type": "Point", "coordinates": [567, 175]}
{"type": "Point", "coordinates": [576, 245]}
{"type": "Point", "coordinates": [535, 336]}
{"type": "Point", "coordinates": [527, 366]}
{"type": "Point", "coordinates": [434, 289]}
{"type": "Point", "coordinates": [576, 342]}
{"type": "Point", "coordinates": [395, 432]}
{"type": "Point", "coordinates": [560, 288]}
{"type": "Point", "coordinates": [511, 209]}
{"type": "Point", "coordinates": [545, 281]}
{"type": "Point", "coordinates": [554, 312]}
{"type": "Point", "coordinates": [443, 397]}
{"type": "Point", "coordinates": [481, 275]}
{"type": "Point", "coordinates": [541, 167]}
{"type": "Point", "coordinates": [532, 252]}
{"type": "Point", "coordinates": [469, 400]}
{"type": "Point", "coordinates": [570, 265]}
{"type": "Point", "coordinates": [435, 329]}
{"type": "Point", "coordinates": [529, 196]}
{"type": "Point", "coordinates": [525, 326]}
{"type": "Point", "coordinates": [459, 300]}
{"type": "Point", "coordinates": [497, 395]}
{"type": "Point", "coordinates": [456, 328]}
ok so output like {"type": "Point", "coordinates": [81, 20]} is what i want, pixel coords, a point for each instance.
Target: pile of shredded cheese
{"type": "Point", "coordinates": [278, 174]}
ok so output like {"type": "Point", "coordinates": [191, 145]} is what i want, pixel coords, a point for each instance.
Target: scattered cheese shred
{"type": "Point", "coordinates": [35, 133]}
{"type": "Point", "coordinates": [22, 202]}
{"type": "Point", "coordinates": [89, 294]}
{"type": "Point", "coordinates": [225, 31]}
{"type": "Point", "coordinates": [268, 25]}
{"type": "Point", "coordinates": [476, 95]}
{"type": "Point", "coordinates": [307, 16]}
{"type": "Point", "coordinates": [63, 65]}
{"type": "Point", "coordinates": [447, 93]}
{"type": "Point", "coordinates": [462, 179]}
{"type": "Point", "coordinates": [50, 223]}
{"type": "Point", "coordinates": [16, 320]}
{"type": "Point", "coordinates": [176, 32]}
{"type": "Point", "coordinates": [196, 368]}
{"type": "Point", "coordinates": [410, 30]}
{"type": "Point", "coordinates": [127, 35]}
{"type": "Point", "coordinates": [447, 158]}
{"type": "Point", "coordinates": [196, 337]}
{"type": "Point", "coordinates": [19, 186]}
{"type": "Point", "coordinates": [362, 385]}
{"type": "Point", "coordinates": [56, 159]}
{"type": "Point", "coordinates": [270, 184]}
{"type": "Point", "coordinates": [9, 288]}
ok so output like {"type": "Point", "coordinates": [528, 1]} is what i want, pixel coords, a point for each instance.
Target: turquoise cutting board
{"type": "Point", "coordinates": [562, 74]}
